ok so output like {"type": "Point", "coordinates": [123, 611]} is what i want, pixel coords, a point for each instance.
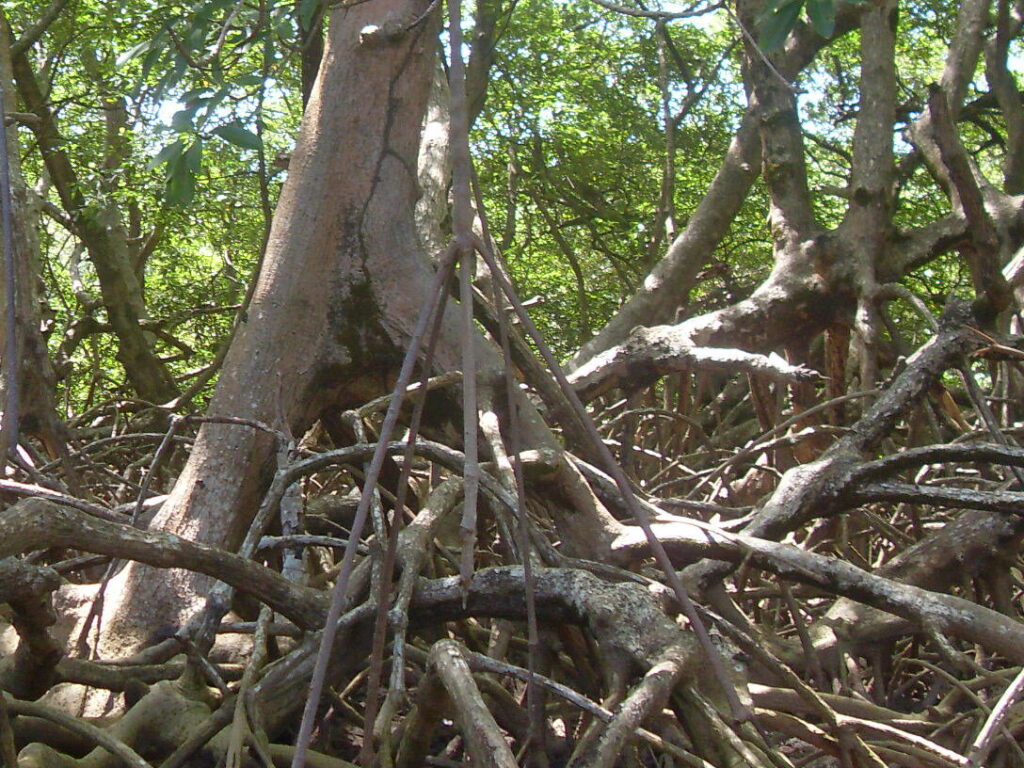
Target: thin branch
{"type": "Point", "coordinates": [982, 252]}
{"type": "Point", "coordinates": [56, 497]}
{"type": "Point", "coordinates": [38, 524]}
{"type": "Point", "coordinates": [983, 742]}
{"type": "Point", "coordinates": [740, 711]}
{"type": "Point", "coordinates": [643, 13]}
{"type": "Point", "coordinates": [462, 240]}
{"type": "Point", "coordinates": [485, 743]}
{"type": "Point", "coordinates": [1010, 502]}
{"type": "Point", "coordinates": [34, 32]}
{"type": "Point", "coordinates": [339, 596]}
{"type": "Point", "coordinates": [912, 458]}
{"type": "Point", "coordinates": [11, 382]}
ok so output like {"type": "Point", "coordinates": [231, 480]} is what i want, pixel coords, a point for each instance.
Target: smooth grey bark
{"type": "Point", "coordinates": [434, 168]}
{"type": "Point", "coordinates": [1004, 84]}
{"type": "Point", "coordinates": [867, 226]}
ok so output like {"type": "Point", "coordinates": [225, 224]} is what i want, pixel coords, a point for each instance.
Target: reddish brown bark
{"type": "Point", "coordinates": [342, 283]}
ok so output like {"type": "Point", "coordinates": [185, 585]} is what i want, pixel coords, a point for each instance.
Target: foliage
{"type": "Point", "coordinates": [779, 17]}
{"type": "Point", "coordinates": [188, 167]}
{"type": "Point", "coordinates": [601, 135]}
{"type": "Point", "coordinates": [571, 147]}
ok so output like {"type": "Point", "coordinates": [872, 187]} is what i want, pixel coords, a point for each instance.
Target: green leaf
{"type": "Point", "coordinates": [769, 8]}
{"type": "Point", "coordinates": [166, 155]}
{"type": "Point", "coordinates": [194, 38]}
{"type": "Point", "coordinates": [822, 14]}
{"type": "Point", "coordinates": [776, 26]}
{"type": "Point", "coordinates": [181, 186]}
{"type": "Point", "coordinates": [150, 61]}
{"type": "Point", "coordinates": [237, 134]}
{"type": "Point", "coordinates": [209, 11]}
{"type": "Point", "coordinates": [247, 80]}
{"type": "Point", "coordinates": [135, 50]}
{"type": "Point", "coordinates": [193, 156]}
{"type": "Point", "coordinates": [181, 120]}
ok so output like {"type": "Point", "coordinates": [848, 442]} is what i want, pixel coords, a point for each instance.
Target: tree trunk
{"type": "Point", "coordinates": [343, 281]}
{"type": "Point", "coordinates": [37, 413]}
{"type": "Point", "coordinates": [341, 286]}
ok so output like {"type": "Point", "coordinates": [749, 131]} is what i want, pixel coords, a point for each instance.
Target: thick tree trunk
{"type": "Point", "coordinates": [341, 285]}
